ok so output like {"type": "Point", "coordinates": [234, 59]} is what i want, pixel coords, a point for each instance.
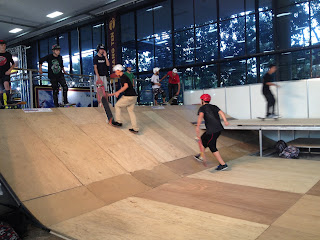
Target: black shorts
{"type": "Point", "coordinates": [157, 91]}
{"type": "Point", "coordinates": [4, 78]}
{"type": "Point", "coordinates": [210, 140]}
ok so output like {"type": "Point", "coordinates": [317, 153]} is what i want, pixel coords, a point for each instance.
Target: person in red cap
{"type": "Point", "coordinates": [173, 85]}
{"type": "Point", "coordinates": [210, 114]}
{"type": "Point", "coordinates": [6, 66]}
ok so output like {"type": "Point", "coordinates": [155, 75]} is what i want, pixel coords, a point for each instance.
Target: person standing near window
{"type": "Point", "coordinates": [101, 67]}
{"type": "Point", "coordinates": [55, 73]}
{"type": "Point", "coordinates": [174, 83]}
{"type": "Point", "coordinates": [129, 74]}
{"type": "Point", "coordinates": [5, 71]}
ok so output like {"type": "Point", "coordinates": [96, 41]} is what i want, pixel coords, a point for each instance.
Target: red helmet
{"type": "Point", "coordinates": [205, 97]}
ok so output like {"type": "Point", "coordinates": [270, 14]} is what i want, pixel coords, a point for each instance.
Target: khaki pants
{"type": "Point", "coordinates": [129, 102]}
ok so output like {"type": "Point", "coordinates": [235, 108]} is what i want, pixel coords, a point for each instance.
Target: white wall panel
{"type": "Point", "coordinates": [314, 98]}
{"type": "Point", "coordinates": [258, 101]}
{"type": "Point", "coordinates": [292, 99]}
{"type": "Point", "coordinates": [192, 97]}
{"type": "Point", "coordinates": [238, 102]}
{"type": "Point", "coordinates": [218, 97]}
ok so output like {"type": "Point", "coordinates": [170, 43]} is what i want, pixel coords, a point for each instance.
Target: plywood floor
{"type": "Point", "coordinates": [88, 180]}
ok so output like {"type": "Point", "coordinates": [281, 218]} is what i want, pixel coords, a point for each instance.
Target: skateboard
{"type": "Point", "coordinates": [102, 100]}
{"type": "Point", "coordinates": [172, 99]}
{"type": "Point", "coordinates": [264, 118]}
{"type": "Point", "coordinates": [202, 154]}
{"type": "Point", "coordinates": [14, 105]}
{"type": "Point", "coordinates": [67, 105]}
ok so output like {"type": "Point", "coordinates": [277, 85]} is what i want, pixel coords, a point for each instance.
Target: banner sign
{"type": "Point", "coordinates": [112, 40]}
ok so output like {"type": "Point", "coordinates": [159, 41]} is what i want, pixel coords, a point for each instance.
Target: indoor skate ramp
{"type": "Point", "coordinates": [88, 180]}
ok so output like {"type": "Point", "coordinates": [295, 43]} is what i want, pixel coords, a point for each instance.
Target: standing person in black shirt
{"type": "Point", "coordinates": [210, 114]}
{"type": "Point", "coordinates": [128, 100]}
{"type": "Point", "coordinates": [267, 82]}
{"type": "Point", "coordinates": [55, 74]}
{"type": "Point", "coordinates": [101, 66]}
{"type": "Point", "coordinates": [5, 71]}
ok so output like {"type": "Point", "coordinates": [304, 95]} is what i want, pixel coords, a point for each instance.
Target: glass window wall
{"type": "Point", "coordinates": [87, 50]}
{"type": "Point", "coordinates": [207, 43]}
{"type": "Point", "coordinates": [75, 52]}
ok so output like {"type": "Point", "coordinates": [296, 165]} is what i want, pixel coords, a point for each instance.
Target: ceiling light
{"type": "Point", "coordinates": [54, 14]}
{"type": "Point", "coordinates": [283, 14]}
{"type": "Point", "coordinates": [154, 8]}
{"type": "Point", "coordinates": [15, 30]}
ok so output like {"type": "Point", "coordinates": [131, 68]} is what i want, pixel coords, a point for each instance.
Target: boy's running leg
{"type": "Point", "coordinates": [132, 102]}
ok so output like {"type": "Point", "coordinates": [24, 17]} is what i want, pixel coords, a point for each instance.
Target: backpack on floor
{"type": "Point", "coordinates": [280, 146]}
{"type": "Point", "coordinates": [290, 152]}
{"type": "Point", "coordinates": [7, 232]}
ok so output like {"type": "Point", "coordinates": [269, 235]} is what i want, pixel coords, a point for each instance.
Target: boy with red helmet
{"type": "Point", "coordinates": [210, 114]}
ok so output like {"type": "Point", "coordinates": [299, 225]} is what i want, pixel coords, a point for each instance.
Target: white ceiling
{"type": "Point", "coordinates": [30, 15]}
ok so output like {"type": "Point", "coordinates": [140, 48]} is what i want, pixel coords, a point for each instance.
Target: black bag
{"type": "Point", "coordinates": [290, 152]}
{"type": "Point", "coordinates": [280, 146]}
{"type": "Point", "coordinates": [7, 232]}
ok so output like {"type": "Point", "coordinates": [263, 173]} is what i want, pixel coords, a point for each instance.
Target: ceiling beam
{"type": "Point", "coordinates": [18, 24]}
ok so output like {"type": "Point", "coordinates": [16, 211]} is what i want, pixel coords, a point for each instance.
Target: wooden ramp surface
{"type": "Point", "coordinates": [88, 180]}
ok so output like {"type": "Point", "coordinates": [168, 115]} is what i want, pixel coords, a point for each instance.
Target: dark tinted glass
{"type": "Point", "coordinates": [127, 27]}
{"type": "Point", "coordinates": [231, 8]}
{"type": "Point", "coordinates": [183, 14]}
{"type": "Point", "coordinates": [205, 11]}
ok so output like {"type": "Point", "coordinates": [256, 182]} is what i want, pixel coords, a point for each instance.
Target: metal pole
{"type": "Point", "coordinates": [278, 110]}
{"type": "Point", "coordinates": [308, 107]}
{"type": "Point", "coordinates": [31, 89]}
{"type": "Point", "coordinates": [260, 142]}
{"type": "Point", "coordinates": [91, 97]}
{"type": "Point", "coordinates": [114, 89]}
{"type": "Point", "coordinates": [225, 99]}
{"type": "Point", "coordinates": [250, 101]}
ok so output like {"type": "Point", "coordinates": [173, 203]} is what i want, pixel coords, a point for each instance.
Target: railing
{"type": "Point", "coordinates": [23, 82]}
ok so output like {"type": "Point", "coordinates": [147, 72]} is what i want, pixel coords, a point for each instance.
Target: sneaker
{"type": "Point", "coordinates": [111, 122]}
{"type": "Point", "coordinates": [274, 116]}
{"type": "Point", "coordinates": [198, 158]}
{"type": "Point", "coordinates": [222, 167]}
{"type": "Point", "coordinates": [116, 124]}
{"type": "Point", "coordinates": [133, 131]}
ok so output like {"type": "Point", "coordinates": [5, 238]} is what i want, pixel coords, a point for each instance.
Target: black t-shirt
{"type": "Point", "coordinates": [211, 118]}
{"type": "Point", "coordinates": [130, 90]}
{"type": "Point", "coordinates": [55, 65]}
{"type": "Point", "coordinates": [266, 78]}
{"type": "Point", "coordinates": [5, 60]}
{"type": "Point", "coordinates": [101, 65]}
